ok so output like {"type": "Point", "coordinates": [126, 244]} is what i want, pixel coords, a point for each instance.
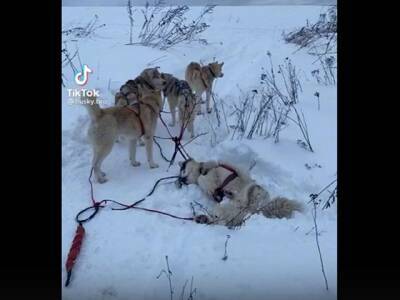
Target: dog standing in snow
{"type": "Point", "coordinates": [238, 195]}
{"type": "Point", "coordinates": [201, 78]}
{"type": "Point", "coordinates": [180, 95]}
{"type": "Point", "coordinates": [133, 121]}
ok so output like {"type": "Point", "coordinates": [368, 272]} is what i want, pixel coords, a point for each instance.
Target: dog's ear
{"type": "Point", "coordinates": [222, 64]}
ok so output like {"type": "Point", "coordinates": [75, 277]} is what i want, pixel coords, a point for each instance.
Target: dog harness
{"type": "Point", "coordinates": [131, 87]}
{"type": "Point", "coordinates": [219, 192]}
{"type": "Point", "coordinates": [137, 114]}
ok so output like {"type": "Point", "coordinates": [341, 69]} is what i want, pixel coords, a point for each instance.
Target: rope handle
{"type": "Point", "coordinates": [74, 251]}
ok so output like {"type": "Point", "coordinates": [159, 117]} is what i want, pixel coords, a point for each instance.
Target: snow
{"type": "Point", "coordinates": [123, 252]}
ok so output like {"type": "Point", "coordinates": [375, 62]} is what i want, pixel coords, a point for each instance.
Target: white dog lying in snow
{"type": "Point", "coordinates": [238, 195]}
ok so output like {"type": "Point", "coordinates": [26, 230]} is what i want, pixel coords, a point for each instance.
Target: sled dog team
{"type": "Point", "coordinates": [134, 116]}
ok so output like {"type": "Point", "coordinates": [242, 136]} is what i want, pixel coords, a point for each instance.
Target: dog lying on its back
{"type": "Point", "coordinates": [179, 94]}
{"type": "Point", "coordinates": [238, 195]}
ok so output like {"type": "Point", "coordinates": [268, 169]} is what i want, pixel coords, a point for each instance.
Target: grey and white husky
{"type": "Point", "coordinates": [180, 95]}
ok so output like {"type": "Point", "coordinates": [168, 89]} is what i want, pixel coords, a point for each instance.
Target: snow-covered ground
{"type": "Point", "coordinates": [123, 252]}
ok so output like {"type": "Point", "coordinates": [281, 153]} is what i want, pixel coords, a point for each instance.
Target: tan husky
{"type": "Point", "coordinates": [179, 94]}
{"type": "Point", "coordinates": [201, 79]}
{"type": "Point", "coordinates": [134, 121]}
{"type": "Point", "coordinates": [149, 80]}
{"type": "Point", "coordinates": [237, 196]}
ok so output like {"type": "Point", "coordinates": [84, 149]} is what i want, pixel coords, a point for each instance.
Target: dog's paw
{"type": "Point", "coordinates": [153, 165]}
{"type": "Point", "coordinates": [202, 219]}
{"type": "Point", "coordinates": [135, 163]}
{"type": "Point", "coordinates": [102, 180]}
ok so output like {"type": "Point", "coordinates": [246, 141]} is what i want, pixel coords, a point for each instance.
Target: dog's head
{"type": "Point", "coordinates": [147, 92]}
{"type": "Point", "coordinates": [216, 68]}
{"type": "Point", "coordinates": [120, 99]}
{"type": "Point", "coordinates": [167, 77]}
{"type": "Point", "coordinates": [150, 96]}
{"type": "Point", "coordinates": [191, 170]}
{"type": "Point", "coordinates": [154, 78]}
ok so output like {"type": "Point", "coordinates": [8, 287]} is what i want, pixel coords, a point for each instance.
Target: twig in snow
{"type": "Point", "coordinates": [314, 214]}
{"type": "Point", "coordinates": [252, 165]}
{"type": "Point", "coordinates": [168, 274]}
{"type": "Point", "coordinates": [131, 20]}
{"type": "Point", "coordinates": [226, 247]}
{"type": "Point", "coordinates": [316, 94]}
{"type": "Point", "coordinates": [192, 291]}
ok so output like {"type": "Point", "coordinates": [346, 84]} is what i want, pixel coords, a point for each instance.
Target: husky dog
{"type": "Point", "coordinates": [133, 121]}
{"type": "Point", "coordinates": [201, 79]}
{"type": "Point", "coordinates": [238, 195]}
{"type": "Point", "coordinates": [150, 79]}
{"type": "Point", "coordinates": [179, 94]}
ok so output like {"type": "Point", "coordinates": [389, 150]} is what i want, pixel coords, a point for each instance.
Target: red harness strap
{"type": "Point", "coordinates": [137, 113]}
{"type": "Point", "coordinates": [219, 193]}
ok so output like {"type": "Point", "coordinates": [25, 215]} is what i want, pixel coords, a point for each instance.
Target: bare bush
{"type": "Point", "coordinates": [82, 32]}
{"type": "Point", "coordinates": [72, 36]}
{"type": "Point", "coordinates": [131, 20]}
{"type": "Point", "coordinates": [330, 193]}
{"type": "Point", "coordinates": [163, 27]}
{"type": "Point", "coordinates": [267, 110]}
{"type": "Point", "coordinates": [320, 40]}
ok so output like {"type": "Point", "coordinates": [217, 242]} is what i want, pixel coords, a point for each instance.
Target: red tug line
{"type": "Point", "coordinates": [96, 205]}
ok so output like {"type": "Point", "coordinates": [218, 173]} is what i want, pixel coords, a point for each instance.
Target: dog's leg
{"type": "Point", "coordinates": [141, 142]}
{"type": "Point", "coordinates": [208, 96]}
{"type": "Point", "coordinates": [198, 103]}
{"type": "Point", "coordinates": [181, 117]}
{"type": "Point", "coordinates": [173, 115]}
{"type": "Point", "coordinates": [191, 128]}
{"type": "Point", "coordinates": [100, 153]}
{"type": "Point", "coordinates": [149, 151]}
{"type": "Point", "coordinates": [132, 153]}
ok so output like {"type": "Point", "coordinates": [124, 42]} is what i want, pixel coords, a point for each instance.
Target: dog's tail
{"type": "Point", "coordinates": [92, 107]}
{"type": "Point", "coordinates": [281, 207]}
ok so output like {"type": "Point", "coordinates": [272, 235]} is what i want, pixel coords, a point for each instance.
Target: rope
{"type": "Point", "coordinates": [96, 206]}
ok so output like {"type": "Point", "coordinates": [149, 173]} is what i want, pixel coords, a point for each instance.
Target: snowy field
{"type": "Point", "coordinates": [124, 252]}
